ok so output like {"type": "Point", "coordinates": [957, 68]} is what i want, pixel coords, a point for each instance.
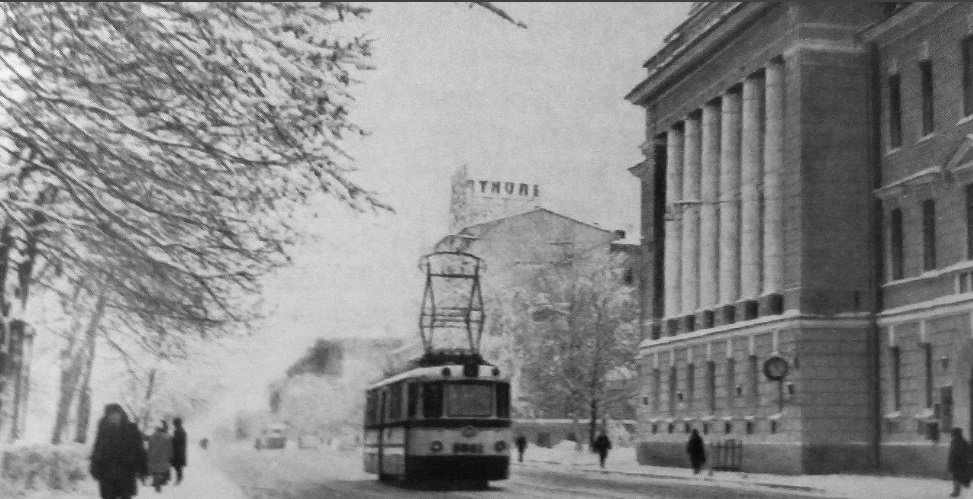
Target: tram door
{"type": "Point", "coordinates": [383, 400]}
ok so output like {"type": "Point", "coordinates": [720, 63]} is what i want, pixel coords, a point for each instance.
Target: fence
{"type": "Point", "coordinates": [726, 455]}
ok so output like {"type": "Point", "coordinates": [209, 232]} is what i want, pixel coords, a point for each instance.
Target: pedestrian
{"type": "Point", "coordinates": [602, 445]}
{"type": "Point", "coordinates": [178, 448]}
{"type": "Point", "coordinates": [521, 443]}
{"type": "Point", "coordinates": [960, 462]}
{"type": "Point", "coordinates": [696, 451]}
{"type": "Point", "coordinates": [159, 456]}
{"type": "Point", "coordinates": [118, 456]}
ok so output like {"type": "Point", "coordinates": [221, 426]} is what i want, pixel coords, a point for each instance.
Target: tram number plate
{"type": "Point", "coordinates": [468, 448]}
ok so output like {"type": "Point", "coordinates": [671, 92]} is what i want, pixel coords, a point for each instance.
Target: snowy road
{"type": "Point", "coordinates": [314, 474]}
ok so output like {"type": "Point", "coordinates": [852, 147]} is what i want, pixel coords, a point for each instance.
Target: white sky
{"type": "Point", "coordinates": [456, 85]}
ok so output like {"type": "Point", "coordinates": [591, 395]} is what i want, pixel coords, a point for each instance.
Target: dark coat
{"type": "Point", "coordinates": [521, 442]}
{"type": "Point", "coordinates": [602, 444]}
{"type": "Point", "coordinates": [179, 448]}
{"type": "Point", "coordinates": [118, 458]}
{"type": "Point", "coordinates": [696, 449]}
{"type": "Point", "coordinates": [960, 461]}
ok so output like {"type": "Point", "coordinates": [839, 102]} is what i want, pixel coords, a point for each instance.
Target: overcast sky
{"type": "Point", "coordinates": [456, 85]}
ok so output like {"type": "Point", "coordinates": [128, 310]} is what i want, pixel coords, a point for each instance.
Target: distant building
{"type": "Point", "coordinates": [517, 249]}
{"type": "Point", "coordinates": [474, 200]}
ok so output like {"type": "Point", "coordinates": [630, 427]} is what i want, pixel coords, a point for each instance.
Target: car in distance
{"type": "Point", "coordinates": [271, 437]}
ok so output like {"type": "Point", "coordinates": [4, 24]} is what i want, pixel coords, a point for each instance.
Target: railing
{"type": "Point", "coordinates": [726, 455]}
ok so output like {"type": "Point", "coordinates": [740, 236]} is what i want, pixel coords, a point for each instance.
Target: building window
{"type": "Point", "coordinates": [655, 428]}
{"type": "Point", "coordinates": [690, 385]}
{"type": "Point", "coordinates": [672, 428]}
{"type": "Point", "coordinates": [896, 244]}
{"type": "Point", "coordinates": [929, 234]}
{"type": "Point", "coordinates": [927, 347]}
{"type": "Point", "coordinates": [968, 76]}
{"type": "Point", "coordinates": [773, 426]}
{"type": "Point", "coordinates": [727, 427]}
{"type": "Point", "coordinates": [629, 277]}
{"type": "Point", "coordinates": [687, 428]}
{"type": "Point", "coordinates": [896, 361]}
{"type": "Point", "coordinates": [946, 409]}
{"type": "Point", "coordinates": [928, 119]}
{"type": "Point", "coordinates": [754, 382]}
{"type": "Point", "coordinates": [645, 400]}
{"type": "Point", "coordinates": [895, 111]}
{"type": "Point", "coordinates": [730, 383]}
{"type": "Point", "coordinates": [673, 379]}
{"type": "Point", "coordinates": [749, 427]}
{"type": "Point", "coordinates": [656, 387]}
{"type": "Point", "coordinates": [969, 222]}
{"type": "Point", "coordinates": [711, 385]}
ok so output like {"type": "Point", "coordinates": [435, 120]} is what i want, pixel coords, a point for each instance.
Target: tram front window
{"type": "Point", "coordinates": [469, 400]}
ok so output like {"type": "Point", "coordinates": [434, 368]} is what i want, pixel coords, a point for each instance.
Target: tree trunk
{"type": "Point", "coordinates": [73, 370]}
{"type": "Point", "coordinates": [593, 424]}
{"type": "Point", "coordinates": [84, 401]}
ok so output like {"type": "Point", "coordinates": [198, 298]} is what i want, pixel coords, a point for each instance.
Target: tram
{"type": "Point", "coordinates": [446, 415]}
{"type": "Point", "coordinates": [446, 420]}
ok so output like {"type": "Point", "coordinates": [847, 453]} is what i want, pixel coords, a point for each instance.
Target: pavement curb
{"type": "Point", "coordinates": [767, 485]}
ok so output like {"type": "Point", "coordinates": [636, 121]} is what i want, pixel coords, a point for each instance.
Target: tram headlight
{"type": "Point", "coordinates": [436, 446]}
{"type": "Point", "coordinates": [500, 446]}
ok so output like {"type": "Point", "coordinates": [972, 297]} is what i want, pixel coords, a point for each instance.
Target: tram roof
{"type": "Point", "coordinates": [436, 373]}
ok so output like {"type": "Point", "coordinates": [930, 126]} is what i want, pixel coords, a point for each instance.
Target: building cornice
{"type": "Point", "coordinates": [663, 72]}
{"type": "Point", "coordinates": [789, 319]}
{"type": "Point", "coordinates": [906, 20]}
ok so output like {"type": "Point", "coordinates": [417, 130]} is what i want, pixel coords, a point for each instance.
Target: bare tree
{"type": "Point", "coordinates": [582, 326]}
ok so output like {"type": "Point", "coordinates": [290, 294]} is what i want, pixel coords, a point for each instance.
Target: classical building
{"type": "Point", "coordinates": [759, 222]}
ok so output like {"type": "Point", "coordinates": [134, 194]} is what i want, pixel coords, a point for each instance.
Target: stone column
{"type": "Point", "coordinates": [773, 250]}
{"type": "Point", "coordinates": [673, 242]}
{"type": "Point", "coordinates": [751, 177]}
{"type": "Point", "coordinates": [690, 216]}
{"type": "Point", "coordinates": [729, 206]}
{"type": "Point", "coordinates": [708, 228]}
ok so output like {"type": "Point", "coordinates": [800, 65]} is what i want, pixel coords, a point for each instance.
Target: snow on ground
{"type": "Point", "coordinates": [622, 460]}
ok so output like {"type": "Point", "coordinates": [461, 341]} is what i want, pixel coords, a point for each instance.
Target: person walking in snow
{"type": "Point", "coordinates": [118, 455]}
{"type": "Point", "coordinates": [159, 456]}
{"type": "Point", "coordinates": [697, 451]}
{"type": "Point", "coordinates": [960, 462]}
{"type": "Point", "coordinates": [178, 448]}
{"type": "Point", "coordinates": [602, 445]}
{"type": "Point", "coordinates": [521, 443]}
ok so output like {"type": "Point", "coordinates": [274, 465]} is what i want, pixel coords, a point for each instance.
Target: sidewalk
{"type": "Point", "coordinates": [201, 480]}
{"type": "Point", "coordinates": [622, 462]}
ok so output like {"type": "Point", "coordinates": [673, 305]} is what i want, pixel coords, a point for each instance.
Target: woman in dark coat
{"type": "Point", "coordinates": [696, 451]}
{"type": "Point", "coordinates": [118, 456]}
{"type": "Point", "coordinates": [178, 448]}
{"type": "Point", "coordinates": [602, 446]}
{"type": "Point", "coordinates": [960, 462]}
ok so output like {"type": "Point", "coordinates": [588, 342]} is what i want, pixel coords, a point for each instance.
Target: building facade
{"type": "Point", "coordinates": [759, 222]}
{"type": "Point", "coordinates": [517, 251]}
{"type": "Point", "coordinates": [923, 79]}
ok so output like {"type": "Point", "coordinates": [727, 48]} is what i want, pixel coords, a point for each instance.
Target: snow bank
{"type": "Point", "coordinates": [42, 468]}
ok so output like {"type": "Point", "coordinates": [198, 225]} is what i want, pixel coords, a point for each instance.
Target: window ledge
{"type": "Point", "coordinates": [926, 137]}
{"type": "Point", "coordinates": [965, 119]}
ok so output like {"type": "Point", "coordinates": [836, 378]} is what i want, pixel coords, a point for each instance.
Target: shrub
{"type": "Point", "coordinates": [43, 466]}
